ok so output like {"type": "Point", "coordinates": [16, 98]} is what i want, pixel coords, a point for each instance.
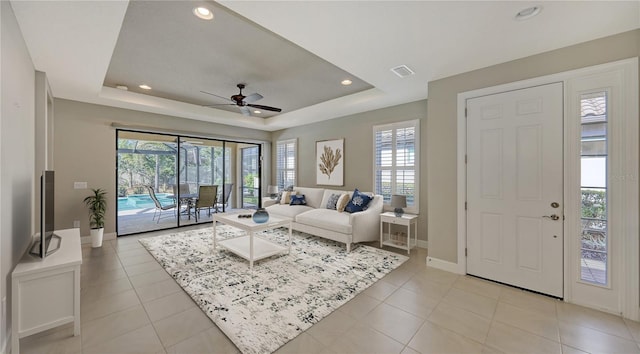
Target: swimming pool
{"type": "Point", "coordinates": [142, 201]}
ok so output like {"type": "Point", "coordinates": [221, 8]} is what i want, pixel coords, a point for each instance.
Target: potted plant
{"type": "Point", "coordinates": [97, 204]}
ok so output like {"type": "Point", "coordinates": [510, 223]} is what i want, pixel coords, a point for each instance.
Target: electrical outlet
{"type": "Point", "coordinates": [76, 224]}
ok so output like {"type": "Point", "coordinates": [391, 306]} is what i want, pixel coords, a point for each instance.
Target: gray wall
{"type": "Point", "coordinates": [441, 137]}
{"type": "Point", "coordinates": [17, 149]}
{"type": "Point", "coordinates": [84, 151]}
{"type": "Point", "coordinates": [357, 131]}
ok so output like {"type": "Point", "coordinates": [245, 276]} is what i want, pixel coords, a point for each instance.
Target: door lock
{"type": "Point", "coordinates": [555, 205]}
{"type": "Point", "coordinates": [552, 217]}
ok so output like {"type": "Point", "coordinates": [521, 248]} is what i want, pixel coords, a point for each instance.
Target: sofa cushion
{"type": "Point", "coordinates": [326, 219]}
{"type": "Point", "coordinates": [298, 200]}
{"type": "Point", "coordinates": [287, 211]}
{"type": "Point", "coordinates": [313, 196]}
{"type": "Point", "coordinates": [359, 202]}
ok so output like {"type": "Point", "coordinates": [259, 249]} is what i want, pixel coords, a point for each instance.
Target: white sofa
{"type": "Point", "coordinates": [314, 218]}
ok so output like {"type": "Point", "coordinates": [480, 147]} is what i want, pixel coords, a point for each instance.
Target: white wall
{"type": "Point", "coordinates": [17, 150]}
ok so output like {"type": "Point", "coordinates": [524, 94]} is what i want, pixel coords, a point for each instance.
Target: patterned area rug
{"type": "Point", "coordinates": [284, 295]}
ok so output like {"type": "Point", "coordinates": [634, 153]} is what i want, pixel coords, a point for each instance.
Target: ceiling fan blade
{"type": "Point", "coordinates": [266, 108]}
{"type": "Point", "coordinates": [213, 94]}
{"type": "Point", "coordinates": [245, 111]}
{"type": "Point", "coordinates": [252, 98]}
{"type": "Point", "coordinates": [221, 104]}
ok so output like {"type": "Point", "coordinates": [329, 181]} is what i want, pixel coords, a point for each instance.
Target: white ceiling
{"type": "Point", "coordinates": [73, 42]}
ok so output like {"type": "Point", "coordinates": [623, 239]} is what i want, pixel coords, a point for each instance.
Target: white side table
{"type": "Point", "coordinates": [407, 241]}
{"type": "Point", "coordinates": [46, 292]}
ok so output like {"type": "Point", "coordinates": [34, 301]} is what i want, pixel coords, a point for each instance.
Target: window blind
{"type": "Point", "coordinates": [395, 161]}
{"type": "Point", "coordinates": [286, 163]}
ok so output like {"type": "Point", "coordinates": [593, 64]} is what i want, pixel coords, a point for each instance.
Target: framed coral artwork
{"type": "Point", "coordinates": [330, 162]}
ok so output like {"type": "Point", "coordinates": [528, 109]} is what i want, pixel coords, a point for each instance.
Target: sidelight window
{"type": "Point", "coordinates": [594, 240]}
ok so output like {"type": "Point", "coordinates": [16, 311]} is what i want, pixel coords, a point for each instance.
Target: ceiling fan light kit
{"type": "Point", "coordinates": [244, 102]}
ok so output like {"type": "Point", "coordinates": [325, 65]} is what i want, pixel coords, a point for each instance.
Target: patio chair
{"type": "Point", "coordinates": [207, 197]}
{"type": "Point", "coordinates": [224, 201]}
{"type": "Point", "coordinates": [185, 202]}
{"type": "Point", "coordinates": [183, 188]}
{"type": "Point", "coordinates": [159, 207]}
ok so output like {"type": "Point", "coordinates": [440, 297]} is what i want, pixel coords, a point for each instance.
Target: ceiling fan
{"type": "Point", "coordinates": [244, 102]}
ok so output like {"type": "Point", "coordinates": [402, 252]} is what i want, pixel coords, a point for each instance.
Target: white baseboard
{"type": "Point", "coordinates": [105, 237]}
{"type": "Point", "coordinates": [444, 265]}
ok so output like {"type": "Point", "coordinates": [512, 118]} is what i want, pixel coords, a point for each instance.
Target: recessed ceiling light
{"type": "Point", "coordinates": [203, 13]}
{"type": "Point", "coordinates": [528, 13]}
{"type": "Point", "coordinates": [257, 112]}
{"type": "Point", "coordinates": [145, 87]}
{"type": "Point", "coordinates": [122, 87]}
{"type": "Point", "coordinates": [346, 82]}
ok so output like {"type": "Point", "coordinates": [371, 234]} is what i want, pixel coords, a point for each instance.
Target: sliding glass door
{"type": "Point", "coordinates": [146, 173]}
{"type": "Point", "coordinates": [167, 181]}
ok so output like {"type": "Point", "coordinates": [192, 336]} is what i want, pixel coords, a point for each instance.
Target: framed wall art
{"type": "Point", "coordinates": [330, 162]}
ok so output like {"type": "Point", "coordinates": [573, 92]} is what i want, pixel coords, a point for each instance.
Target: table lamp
{"type": "Point", "coordinates": [273, 191]}
{"type": "Point", "coordinates": [397, 203]}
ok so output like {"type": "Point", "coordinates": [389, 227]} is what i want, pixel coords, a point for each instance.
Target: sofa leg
{"type": "Point", "coordinates": [348, 247]}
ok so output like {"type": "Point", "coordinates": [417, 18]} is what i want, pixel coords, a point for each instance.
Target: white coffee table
{"type": "Point", "coordinates": [250, 247]}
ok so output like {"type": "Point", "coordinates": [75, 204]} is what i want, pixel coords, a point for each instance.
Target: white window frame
{"type": "Point", "coordinates": [415, 208]}
{"type": "Point", "coordinates": [280, 168]}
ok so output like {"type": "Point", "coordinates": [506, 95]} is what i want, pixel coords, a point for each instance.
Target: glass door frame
{"type": "Point", "coordinates": [179, 138]}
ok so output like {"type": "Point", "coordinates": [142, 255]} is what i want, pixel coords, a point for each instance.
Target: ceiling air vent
{"type": "Point", "coordinates": [402, 71]}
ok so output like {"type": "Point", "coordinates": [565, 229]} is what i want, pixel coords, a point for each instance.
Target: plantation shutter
{"type": "Point", "coordinates": [396, 162]}
{"type": "Point", "coordinates": [286, 163]}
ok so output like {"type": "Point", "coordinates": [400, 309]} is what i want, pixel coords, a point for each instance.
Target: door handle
{"type": "Point", "coordinates": [552, 217]}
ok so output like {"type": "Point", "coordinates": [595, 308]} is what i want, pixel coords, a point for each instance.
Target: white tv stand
{"type": "Point", "coordinates": [46, 292]}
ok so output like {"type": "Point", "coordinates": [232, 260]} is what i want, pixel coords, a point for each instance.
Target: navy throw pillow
{"type": "Point", "coordinates": [298, 200]}
{"type": "Point", "coordinates": [359, 202]}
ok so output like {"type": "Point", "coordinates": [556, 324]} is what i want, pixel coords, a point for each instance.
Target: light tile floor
{"type": "Point", "coordinates": [131, 305]}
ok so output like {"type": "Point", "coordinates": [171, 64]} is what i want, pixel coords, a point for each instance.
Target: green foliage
{"type": "Point", "coordinates": [249, 178]}
{"type": "Point", "coordinates": [154, 163]}
{"type": "Point", "coordinates": [97, 204]}
{"type": "Point", "coordinates": [138, 169]}
{"type": "Point", "coordinates": [594, 204]}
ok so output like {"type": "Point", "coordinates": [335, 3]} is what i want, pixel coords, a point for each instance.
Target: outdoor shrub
{"type": "Point", "coordinates": [594, 204]}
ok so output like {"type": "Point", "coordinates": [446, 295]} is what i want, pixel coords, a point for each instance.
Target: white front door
{"type": "Point", "coordinates": [515, 188]}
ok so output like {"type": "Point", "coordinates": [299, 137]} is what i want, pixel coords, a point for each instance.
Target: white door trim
{"type": "Point", "coordinates": [630, 244]}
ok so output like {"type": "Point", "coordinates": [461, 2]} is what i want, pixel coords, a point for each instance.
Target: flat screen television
{"type": "Point", "coordinates": [48, 242]}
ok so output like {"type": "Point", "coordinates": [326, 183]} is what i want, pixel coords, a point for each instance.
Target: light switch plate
{"type": "Point", "coordinates": [79, 185]}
